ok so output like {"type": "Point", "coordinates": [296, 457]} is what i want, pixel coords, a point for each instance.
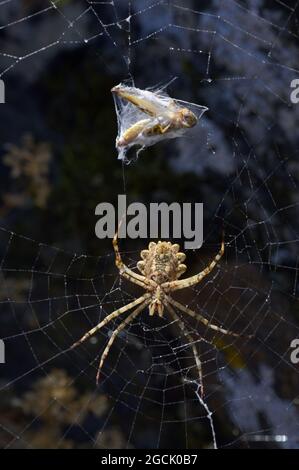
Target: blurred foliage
{"type": "Point", "coordinates": [54, 403]}
{"type": "Point", "coordinates": [29, 171]}
{"type": "Point", "coordinates": [15, 289]}
{"type": "Point", "coordinates": [232, 354]}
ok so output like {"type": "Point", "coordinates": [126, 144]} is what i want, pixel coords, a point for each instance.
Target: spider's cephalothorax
{"type": "Point", "coordinates": [162, 262]}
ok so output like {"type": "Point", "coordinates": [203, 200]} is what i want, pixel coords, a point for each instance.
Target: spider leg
{"type": "Point", "coordinates": [120, 327]}
{"type": "Point", "coordinates": [192, 344]}
{"type": "Point", "coordinates": [110, 317]}
{"type": "Point", "coordinates": [190, 281]}
{"type": "Point", "coordinates": [126, 272]}
{"type": "Point", "coordinates": [202, 319]}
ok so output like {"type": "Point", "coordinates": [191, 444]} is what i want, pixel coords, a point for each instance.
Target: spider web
{"type": "Point", "coordinates": [237, 58]}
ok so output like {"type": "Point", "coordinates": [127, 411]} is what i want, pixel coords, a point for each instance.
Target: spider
{"type": "Point", "coordinates": [161, 267]}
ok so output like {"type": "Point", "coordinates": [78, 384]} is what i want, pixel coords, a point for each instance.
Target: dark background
{"type": "Point", "coordinates": [58, 161]}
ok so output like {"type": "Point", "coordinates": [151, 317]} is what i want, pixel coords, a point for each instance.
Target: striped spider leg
{"type": "Point", "coordinates": [181, 324]}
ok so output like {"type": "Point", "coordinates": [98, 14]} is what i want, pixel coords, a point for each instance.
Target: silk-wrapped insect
{"type": "Point", "coordinates": [146, 117]}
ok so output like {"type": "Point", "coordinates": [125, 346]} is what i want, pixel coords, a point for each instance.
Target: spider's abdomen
{"type": "Point", "coordinates": [162, 262]}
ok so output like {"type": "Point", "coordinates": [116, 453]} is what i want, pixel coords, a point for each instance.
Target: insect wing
{"type": "Point", "coordinates": [152, 103]}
